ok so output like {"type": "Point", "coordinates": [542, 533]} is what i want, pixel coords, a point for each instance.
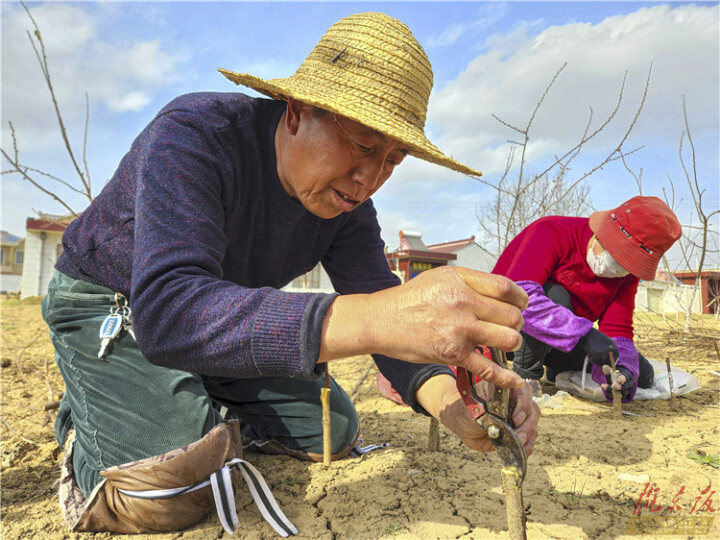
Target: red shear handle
{"type": "Point", "coordinates": [475, 408]}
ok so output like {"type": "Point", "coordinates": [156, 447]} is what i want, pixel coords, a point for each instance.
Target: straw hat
{"type": "Point", "coordinates": [367, 67]}
{"type": "Point", "coordinates": [637, 233]}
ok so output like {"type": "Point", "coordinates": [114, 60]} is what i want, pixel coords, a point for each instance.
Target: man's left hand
{"type": "Point", "coordinates": [440, 397]}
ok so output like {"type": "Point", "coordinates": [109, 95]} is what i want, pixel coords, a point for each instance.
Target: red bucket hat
{"type": "Point", "coordinates": [637, 233]}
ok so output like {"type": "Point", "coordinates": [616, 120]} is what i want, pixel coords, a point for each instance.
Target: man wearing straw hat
{"type": "Point", "coordinates": [177, 265]}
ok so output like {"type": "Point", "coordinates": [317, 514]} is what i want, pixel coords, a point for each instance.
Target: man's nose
{"type": "Point", "coordinates": [369, 172]}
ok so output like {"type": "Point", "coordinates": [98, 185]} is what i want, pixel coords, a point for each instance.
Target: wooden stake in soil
{"type": "Point", "coordinates": [514, 503]}
{"type": "Point", "coordinates": [673, 402]}
{"type": "Point", "coordinates": [617, 396]}
{"type": "Point", "coordinates": [327, 435]}
{"type": "Point", "coordinates": [434, 436]}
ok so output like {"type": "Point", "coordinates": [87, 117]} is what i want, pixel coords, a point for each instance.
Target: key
{"type": "Point", "coordinates": [109, 330]}
{"type": "Point", "coordinates": [127, 326]}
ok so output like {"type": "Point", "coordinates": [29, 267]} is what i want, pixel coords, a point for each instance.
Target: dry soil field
{"type": "Point", "coordinates": [584, 479]}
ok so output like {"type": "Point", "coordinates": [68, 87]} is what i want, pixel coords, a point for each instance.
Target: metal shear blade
{"type": "Point", "coordinates": [494, 415]}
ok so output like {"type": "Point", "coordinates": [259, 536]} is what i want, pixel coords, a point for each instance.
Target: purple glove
{"type": "Point", "coordinates": [625, 388]}
{"type": "Point", "coordinates": [549, 322]}
{"type": "Point", "coordinates": [628, 363]}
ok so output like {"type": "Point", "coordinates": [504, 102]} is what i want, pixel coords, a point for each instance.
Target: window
{"type": "Point", "coordinates": [4, 256]}
{"type": "Point", "coordinates": [19, 256]}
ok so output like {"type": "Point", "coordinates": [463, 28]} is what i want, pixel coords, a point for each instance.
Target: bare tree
{"type": "Point", "coordinates": [695, 244]}
{"type": "Point", "coordinates": [698, 241]}
{"type": "Point", "coordinates": [543, 197]}
{"type": "Point", "coordinates": [42, 180]}
{"type": "Point", "coordinates": [521, 197]}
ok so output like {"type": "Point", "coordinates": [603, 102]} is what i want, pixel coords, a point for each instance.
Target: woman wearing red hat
{"type": "Point", "coordinates": [577, 271]}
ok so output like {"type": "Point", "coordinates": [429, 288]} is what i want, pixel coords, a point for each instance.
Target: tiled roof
{"type": "Point", "coordinates": [451, 247]}
{"type": "Point", "coordinates": [53, 223]}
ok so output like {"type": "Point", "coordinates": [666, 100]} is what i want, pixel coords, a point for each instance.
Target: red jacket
{"type": "Point", "coordinates": [554, 248]}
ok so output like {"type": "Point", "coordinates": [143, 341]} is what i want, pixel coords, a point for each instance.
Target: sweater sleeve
{"type": "Point", "coordinates": [186, 316]}
{"type": "Point", "coordinates": [356, 263]}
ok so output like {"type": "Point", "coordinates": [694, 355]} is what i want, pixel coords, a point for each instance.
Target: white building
{"type": "Point", "coordinates": [12, 253]}
{"type": "Point", "coordinates": [469, 254]}
{"type": "Point", "coordinates": [660, 296]}
{"type": "Point", "coordinates": [316, 280]}
{"type": "Point", "coordinates": [43, 245]}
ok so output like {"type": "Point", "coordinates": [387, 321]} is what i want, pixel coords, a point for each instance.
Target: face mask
{"type": "Point", "coordinates": [603, 265]}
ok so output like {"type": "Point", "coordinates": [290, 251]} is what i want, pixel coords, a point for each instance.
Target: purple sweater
{"type": "Point", "coordinates": [197, 230]}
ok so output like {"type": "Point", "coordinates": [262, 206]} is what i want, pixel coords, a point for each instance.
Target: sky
{"type": "Point", "coordinates": [489, 58]}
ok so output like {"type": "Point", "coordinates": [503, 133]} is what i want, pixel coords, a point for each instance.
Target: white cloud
{"type": "Point", "coordinates": [680, 43]}
{"type": "Point", "coordinates": [146, 62]}
{"type": "Point", "coordinates": [511, 75]}
{"type": "Point", "coordinates": [425, 197]}
{"type": "Point", "coordinates": [488, 14]}
{"type": "Point", "coordinates": [119, 76]}
{"type": "Point", "coordinates": [132, 101]}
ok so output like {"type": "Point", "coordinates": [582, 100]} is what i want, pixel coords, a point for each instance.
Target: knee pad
{"type": "Point", "coordinates": [174, 490]}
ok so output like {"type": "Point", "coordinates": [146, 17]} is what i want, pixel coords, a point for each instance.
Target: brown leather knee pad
{"type": "Point", "coordinates": [107, 509]}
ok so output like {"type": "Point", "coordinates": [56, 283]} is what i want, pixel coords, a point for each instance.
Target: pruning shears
{"type": "Point", "coordinates": [494, 415]}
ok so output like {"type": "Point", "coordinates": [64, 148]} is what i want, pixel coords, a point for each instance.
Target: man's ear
{"type": "Point", "coordinates": [292, 115]}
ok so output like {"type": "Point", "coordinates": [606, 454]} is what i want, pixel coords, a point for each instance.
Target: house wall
{"type": "Point", "coordinates": [316, 280]}
{"type": "Point", "coordinates": [474, 257]}
{"type": "Point", "coordinates": [10, 264]}
{"type": "Point", "coordinates": [11, 268]}
{"type": "Point", "coordinates": [10, 283]}
{"type": "Point", "coordinates": [664, 297]}
{"type": "Point", "coordinates": [709, 286]}
{"type": "Point", "coordinates": [41, 252]}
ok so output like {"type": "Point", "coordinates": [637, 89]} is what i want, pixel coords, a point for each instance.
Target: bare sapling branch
{"type": "Point", "coordinates": [44, 66]}
{"type": "Point", "coordinates": [514, 506]}
{"type": "Point", "coordinates": [33, 174]}
{"type": "Point", "coordinates": [19, 169]}
{"type": "Point", "coordinates": [631, 126]}
{"type": "Point", "coordinates": [691, 176]}
{"type": "Point", "coordinates": [522, 198]}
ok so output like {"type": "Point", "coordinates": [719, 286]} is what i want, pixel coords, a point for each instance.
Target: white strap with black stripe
{"type": "Point", "coordinates": [224, 497]}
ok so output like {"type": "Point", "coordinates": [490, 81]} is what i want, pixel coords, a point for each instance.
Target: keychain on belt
{"type": "Point", "coordinates": [120, 319]}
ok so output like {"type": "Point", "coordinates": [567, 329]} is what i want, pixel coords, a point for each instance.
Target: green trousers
{"type": "Point", "coordinates": [124, 408]}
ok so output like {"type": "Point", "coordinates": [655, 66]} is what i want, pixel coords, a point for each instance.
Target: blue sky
{"type": "Point", "coordinates": [488, 58]}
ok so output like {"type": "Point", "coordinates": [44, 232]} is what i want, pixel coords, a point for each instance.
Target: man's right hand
{"type": "Point", "coordinates": [598, 347]}
{"type": "Point", "coordinates": [437, 317]}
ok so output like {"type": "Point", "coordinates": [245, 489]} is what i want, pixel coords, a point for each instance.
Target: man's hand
{"type": "Point", "coordinates": [439, 396]}
{"type": "Point", "coordinates": [625, 383]}
{"type": "Point", "coordinates": [598, 347]}
{"type": "Point", "coordinates": [437, 317]}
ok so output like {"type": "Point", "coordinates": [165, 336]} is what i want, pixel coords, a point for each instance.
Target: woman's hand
{"type": "Point", "coordinates": [439, 396]}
